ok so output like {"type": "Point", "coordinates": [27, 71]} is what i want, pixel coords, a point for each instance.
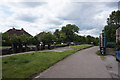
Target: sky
{"type": "Point", "coordinates": [48, 15]}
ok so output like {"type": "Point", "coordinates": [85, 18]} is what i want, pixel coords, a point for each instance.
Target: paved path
{"type": "Point", "coordinates": [56, 49]}
{"type": "Point", "coordinates": [83, 64]}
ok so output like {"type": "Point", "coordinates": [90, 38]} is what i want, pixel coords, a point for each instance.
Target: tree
{"type": "Point", "coordinates": [112, 23]}
{"type": "Point", "coordinates": [30, 40]}
{"type": "Point", "coordinates": [23, 40]}
{"type": "Point", "coordinates": [5, 39]}
{"type": "Point", "coordinates": [47, 38]}
{"type": "Point", "coordinates": [36, 42]}
{"type": "Point", "coordinates": [57, 33]}
{"type": "Point", "coordinates": [57, 36]}
{"type": "Point", "coordinates": [70, 31]}
{"type": "Point", "coordinates": [14, 40]}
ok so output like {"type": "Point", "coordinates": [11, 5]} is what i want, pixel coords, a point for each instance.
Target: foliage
{"type": "Point", "coordinates": [69, 31]}
{"type": "Point", "coordinates": [5, 39]}
{"type": "Point", "coordinates": [47, 38]}
{"type": "Point", "coordinates": [102, 56]}
{"type": "Point", "coordinates": [67, 34]}
{"type": "Point", "coordinates": [30, 40]}
{"type": "Point", "coordinates": [57, 33]}
{"type": "Point", "coordinates": [98, 53]}
{"type": "Point", "coordinates": [35, 40]}
{"type": "Point", "coordinates": [26, 65]}
{"type": "Point", "coordinates": [14, 39]}
{"type": "Point", "coordinates": [90, 39]}
{"type": "Point", "coordinates": [23, 38]}
{"type": "Point", "coordinates": [112, 23]}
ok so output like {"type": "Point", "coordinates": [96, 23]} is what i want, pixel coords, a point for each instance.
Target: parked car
{"type": "Point", "coordinates": [72, 43]}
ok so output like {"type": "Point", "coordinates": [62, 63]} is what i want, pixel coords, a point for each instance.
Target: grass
{"type": "Point", "coordinates": [5, 47]}
{"type": "Point", "coordinates": [102, 56]}
{"type": "Point", "coordinates": [79, 47]}
{"type": "Point", "coordinates": [114, 56]}
{"type": "Point", "coordinates": [27, 65]}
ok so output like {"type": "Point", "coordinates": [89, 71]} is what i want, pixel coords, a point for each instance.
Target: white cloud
{"type": "Point", "coordinates": [94, 32]}
{"type": "Point", "coordinates": [49, 15]}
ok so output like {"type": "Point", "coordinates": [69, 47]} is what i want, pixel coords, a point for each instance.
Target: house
{"type": "Point", "coordinates": [118, 34]}
{"type": "Point", "coordinates": [40, 34]}
{"type": "Point", "coordinates": [18, 32]}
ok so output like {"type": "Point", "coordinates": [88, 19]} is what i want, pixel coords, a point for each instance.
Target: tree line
{"type": "Point", "coordinates": [113, 22]}
{"type": "Point", "coordinates": [67, 34]}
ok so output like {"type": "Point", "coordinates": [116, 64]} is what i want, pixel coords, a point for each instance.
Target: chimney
{"type": "Point", "coordinates": [22, 29]}
{"type": "Point", "coordinates": [13, 28]}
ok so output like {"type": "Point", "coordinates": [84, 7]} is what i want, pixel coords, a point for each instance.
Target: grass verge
{"type": "Point", "coordinates": [114, 56]}
{"type": "Point", "coordinates": [26, 65]}
{"type": "Point", "coordinates": [102, 56]}
{"type": "Point", "coordinates": [80, 47]}
{"type": "Point", "coordinates": [5, 47]}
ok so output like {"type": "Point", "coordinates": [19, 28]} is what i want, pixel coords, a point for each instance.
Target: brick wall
{"type": "Point", "coordinates": [118, 35]}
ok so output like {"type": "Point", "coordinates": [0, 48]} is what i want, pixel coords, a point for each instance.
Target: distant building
{"type": "Point", "coordinates": [18, 32]}
{"type": "Point", "coordinates": [40, 34]}
{"type": "Point", "coordinates": [118, 34]}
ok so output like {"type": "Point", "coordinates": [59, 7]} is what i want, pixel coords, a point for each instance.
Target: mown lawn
{"type": "Point", "coordinates": [26, 65]}
{"type": "Point", "coordinates": [79, 47]}
{"type": "Point", "coordinates": [5, 47]}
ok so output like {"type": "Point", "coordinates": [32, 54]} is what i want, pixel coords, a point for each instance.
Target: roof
{"type": "Point", "coordinates": [18, 32]}
{"type": "Point", "coordinates": [118, 27]}
{"type": "Point", "coordinates": [40, 34]}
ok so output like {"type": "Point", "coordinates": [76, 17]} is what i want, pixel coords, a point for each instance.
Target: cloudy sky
{"type": "Point", "coordinates": [48, 15]}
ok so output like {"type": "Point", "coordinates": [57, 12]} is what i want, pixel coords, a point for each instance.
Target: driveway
{"type": "Point", "coordinates": [83, 64]}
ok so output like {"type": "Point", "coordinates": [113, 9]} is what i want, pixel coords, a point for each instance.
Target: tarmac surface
{"type": "Point", "coordinates": [112, 66]}
{"type": "Point", "coordinates": [83, 64]}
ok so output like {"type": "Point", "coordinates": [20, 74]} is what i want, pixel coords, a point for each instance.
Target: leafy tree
{"type": "Point", "coordinates": [57, 33]}
{"type": "Point", "coordinates": [35, 40]}
{"type": "Point", "coordinates": [5, 39]}
{"type": "Point", "coordinates": [57, 36]}
{"type": "Point", "coordinates": [30, 40]}
{"type": "Point", "coordinates": [23, 38]}
{"type": "Point", "coordinates": [14, 39]}
{"type": "Point", "coordinates": [70, 31]}
{"type": "Point", "coordinates": [112, 23]}
{"type": "Point", "coordinates": [62, 37]}
{"type": "Point", "coordinates": [47, 38]}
